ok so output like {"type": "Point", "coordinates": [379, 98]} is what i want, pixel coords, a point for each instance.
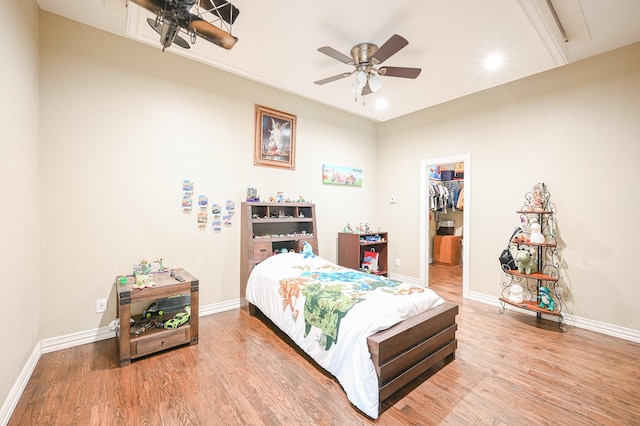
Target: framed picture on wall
{"type": "Point", "coordinates": [275, 143]}
{"type": "Point", "coordinates": [339, 175]}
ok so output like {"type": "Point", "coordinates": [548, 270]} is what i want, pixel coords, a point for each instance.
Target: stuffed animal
{"type": "Point", "coordinates": [526, 262]}
{"type": "Point", "coordinates": [143, 281]}
{"type": "Point", "coordinates": [307, 251]}
{"type": "Point", "coordinates": [546, 301]}
{"type": "Point", "coordinates": [536, 235]}
{"type": "Point", "coordinates": [520, 239]}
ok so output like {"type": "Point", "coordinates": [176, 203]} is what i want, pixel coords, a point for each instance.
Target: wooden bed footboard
{"type": "Point", "coordinates": [403, 352]}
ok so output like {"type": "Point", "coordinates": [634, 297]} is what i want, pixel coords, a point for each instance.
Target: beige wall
{"type": "Point", "coordinates": [19, 221]}
{"type": "Point", "coordinates": [92, 176]}
{"type": "Point", "coordinates": [123, 124]}
{"type": "Point", "coordinates": [575, 128]}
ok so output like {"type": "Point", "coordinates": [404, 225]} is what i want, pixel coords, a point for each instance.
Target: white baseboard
{"type": "Point", "coordinates": [76, 339]}
{"type": "Point", "coordinates": [219, 307]}
{"type": "Point", "coordinates": [572, 320]}
{"type": "Point", "coordinates": [18, 387]}
{"type": "Point", "coordinates": [404, 278]}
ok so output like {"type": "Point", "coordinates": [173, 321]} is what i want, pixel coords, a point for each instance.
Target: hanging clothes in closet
{"type": "Point", "coordinates": [438, 195]}
{"type": "Point", "coordinates": [446, 195]}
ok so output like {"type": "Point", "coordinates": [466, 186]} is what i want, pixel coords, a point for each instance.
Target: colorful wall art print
{"type": "Point", "coordinates": [339, 175]}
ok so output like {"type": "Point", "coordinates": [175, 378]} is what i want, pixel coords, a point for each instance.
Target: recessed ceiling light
{"type": "Point", "coordinates": [493, 62]}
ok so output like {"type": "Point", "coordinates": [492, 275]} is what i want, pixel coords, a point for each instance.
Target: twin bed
{"type": "Point", "coordinates": [372, 333]}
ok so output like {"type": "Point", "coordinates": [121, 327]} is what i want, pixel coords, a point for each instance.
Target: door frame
{"type": "Point", "coordinates": [425, 246]}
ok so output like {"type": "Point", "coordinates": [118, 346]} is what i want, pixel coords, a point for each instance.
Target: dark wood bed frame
{"type": "Point", "coordinates": [404, 351]}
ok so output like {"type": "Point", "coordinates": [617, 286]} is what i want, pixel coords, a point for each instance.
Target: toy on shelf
{"type": "Point", "coordinates": [167, 305]}
{"type": "Point", "coordinates": [144, 327]}
{"type": "Point", "coordinates": [307, 250]}
{"type": "Point", "coordinates": [536, 236]}
{"type": "Point", "coordinates": [362, 228]}
{"type": "Point", "coordinates": [520, 238]}
{"type": "Point", "coordinates": [516, 294]}
{"type": "Point", "coordinates": [546, 301]}
{"type": "Point", "coordinates": [178, 319]}
{"type": "Point", "coordinates": [526, 263]}
{"type": "Point", "coordinates": [142, 275]}
{"type": "Point", "coordinates": [142, 268]}
{"type": "Point", "coordinates": [252, 195]}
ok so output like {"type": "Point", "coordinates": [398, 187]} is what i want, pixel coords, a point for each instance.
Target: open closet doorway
{"type": "Point", "coordinates": [460, 219]}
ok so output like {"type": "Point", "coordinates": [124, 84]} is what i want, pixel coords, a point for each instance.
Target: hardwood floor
{"type": "Point", "coordinates": [509, 369]}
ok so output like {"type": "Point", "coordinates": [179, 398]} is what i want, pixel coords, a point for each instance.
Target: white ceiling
{"type": "Point", "coordinates": [448, 39]}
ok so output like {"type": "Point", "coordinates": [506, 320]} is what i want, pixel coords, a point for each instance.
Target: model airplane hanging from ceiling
{"type": "Point", "coordinates": [172, 16]}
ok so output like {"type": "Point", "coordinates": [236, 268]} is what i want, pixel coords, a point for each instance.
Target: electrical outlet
{"type": "Point", "coordinates": [101, 305]}
{"type": "Point", "coordinates": [397, 261]}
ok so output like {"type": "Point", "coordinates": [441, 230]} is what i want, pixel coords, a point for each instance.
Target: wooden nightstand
{"type": "Point", "coordinates": [155, 339]}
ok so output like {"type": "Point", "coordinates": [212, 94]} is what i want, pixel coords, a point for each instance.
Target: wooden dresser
{"type": "Point", "coordinates": [447, 249]}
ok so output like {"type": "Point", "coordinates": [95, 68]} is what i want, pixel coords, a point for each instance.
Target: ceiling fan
{"type": "Point", "coordinates": [366, 57]}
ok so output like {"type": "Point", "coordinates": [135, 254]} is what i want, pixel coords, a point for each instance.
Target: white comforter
{"type": "Point", "coordinates": [277, 286]}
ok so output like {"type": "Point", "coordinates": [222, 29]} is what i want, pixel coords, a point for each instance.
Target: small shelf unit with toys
{"type": "Point", "coordinates": [353, 246]}
{"type": "Point", "coordinates": [539, 291]}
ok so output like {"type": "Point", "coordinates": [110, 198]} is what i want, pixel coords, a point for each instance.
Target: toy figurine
{"type": "Point", "coordinates": [526, 262]}
{"type": "Point", "coordinates": [307, 250]}
{"type": "Point", "coordinates": [546, 301]}
{"type": "Point", "coordinates": [536, 235]}
{"type": "Point", "coordinates": [520, 239]}
{"type": "Point", "coordinates": [161, 267]}
{"type": "Point", "coordinates": [516, 294]}
{"type": "Point", "coordinates": [538, 203]}
{"type": "Point", "coordinates": [252, 195]}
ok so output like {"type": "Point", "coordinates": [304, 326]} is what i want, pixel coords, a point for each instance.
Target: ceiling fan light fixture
{"type": "Point", "coordinates": [374, 83]}
{"type": "Point", "coordinates": [361, 79]}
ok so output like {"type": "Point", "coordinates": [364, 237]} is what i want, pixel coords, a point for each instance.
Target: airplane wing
{"type": "Point", "coordinates": [154, 6]}
{"type": "Point", "coordinates": [222, 8]}
{"type": "Point", "coordinates": [212, 33]}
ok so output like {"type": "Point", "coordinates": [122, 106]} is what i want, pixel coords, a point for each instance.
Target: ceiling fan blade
{"type": "Point", "coordinates": [330, 51]}
{"type": "Point", "coordinates": [334, 78]}
{"type": "Point", "coordinates": [389, 48]}
{"type": "Point", "coordinates": [403, 72]}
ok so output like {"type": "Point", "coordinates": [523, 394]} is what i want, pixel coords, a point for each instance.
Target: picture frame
{"type": "Point", "coordinates": [275, 138]}
{"type": "Point", "coordinates": [340, 175]}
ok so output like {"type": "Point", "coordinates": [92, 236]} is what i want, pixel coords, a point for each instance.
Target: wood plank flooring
{"type": "Point", "coordinates": [509, 369]}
